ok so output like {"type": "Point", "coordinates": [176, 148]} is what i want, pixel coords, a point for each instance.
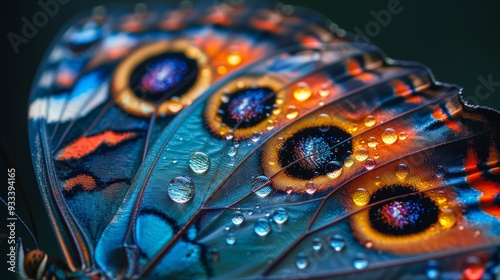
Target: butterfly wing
{"type": "Point", "coordinates": [102, 97]}
{"type": "Point", "coordinates": [372, 162]}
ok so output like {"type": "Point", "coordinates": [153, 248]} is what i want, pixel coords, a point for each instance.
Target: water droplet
{"type": "Point", "coordinates": [230, 239]}
{"type": "Point", "coordinates": [370, 164]}
{"type": "Point", "coordinates": [255, 136]}
{"type": "Point", "coordinates": [361, 154]}
{"type": "Point", "coordinates": [270, 125]}
{"type": "Point", "coordinates": [232, 151]}
{"type": "Point", "coordinates": [301, 261]}
{"type": "Point", "coordinates": [402, 171]}
{"type": "Point", "coordinates": [310, 187]}
{"type": "Point", "coordinates": [368, 244]}
{"type": "Point", "coordinates": [360, 262]}
{"type": "Point", "coordinates": [474, 269]}
{"type": "Point", "coordinates": [348, 162]}
{"type": "Point", "coordinates": [337, 242]}
{"type": "Point", "coordinates": [372, 142]}
{"type": "Point", "coordinates": [317, 244]}
{"type": "Point", "coordinates": [238, 218]}
{"type": "Point", "coordinates": [378, 180]}
{"type": "Point", "coordinates": [447, 218]}
{"type": "Point", "coordinates": [389, 136]}
{"type": "Point", "coordinates": [324, 91]}
{"type": "Point", "coordinates": [181, 189]}
{"type": "Point", "coordinates": [370, 121]}
{"type": "Point", "coordinates": [361, 197]}
{"type": "Point", "coordinates": [229, 134]}
{"type": "Point", "coordinates": [403, 136]}
{"type": "Point", "coordinates": [432, 270]}
{"type": "Point", "coordinates": [333, 169]}
{"type": "Point", "coordinates": [353, 128]}
{"type": "Point", "coordinates": [440, 171]}
{"type": "Point", "coordinates": [234, 58]}
{"type": "Point", "coordinates": [262, 227]}
{"type": "Point", "coordinates": [323, 120]}
{"type": "Point", "coordinates": [214, 254]}
{"type": "Point", "coordinates": [292, 112]}
{"type": "Point", "coordinates": [280, 216]}
{"type": "Point", "coordinates": [261, 186]}
{"type": "Point", "coordinates": [302, 92]}
{"type": "Point", "coordinates": [199, 162]}
{"type": "Point", "coordinates": [289, 189]}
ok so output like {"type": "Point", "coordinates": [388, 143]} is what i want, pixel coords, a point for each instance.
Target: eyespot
{"type": "Point", "coordinates": [245, 106]}
{"type": "Point", "coordinates": [400, 218]}
{"type": "Point", "coordinates": [311, 150]}
{"type": "Point", "coordinates": [166, 75]}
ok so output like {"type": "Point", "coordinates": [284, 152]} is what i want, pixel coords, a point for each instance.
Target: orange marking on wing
{"type": "Point", "coordinates": [438, 114]}
{"type": "Point", "coordinates": [88, 144]}
{"type": "Point", "coordinates": [489, 189]}
{"type": "Point", "coordinates": [365, 77]}
{"type": "Point", "coordinates": [65, 78]}
{"type": "Point", "coordinates": [353, 67]}
{"type": "Point", "coordinates": [402, 89]}
{"type": "Point", "coordinates": [87, 182]}
{"type": "Point", "coordinates": [272, 26]}
{"type": "Point", "coordinates": [311, 41]}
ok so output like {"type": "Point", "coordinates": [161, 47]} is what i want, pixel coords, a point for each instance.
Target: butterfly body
{"type": "Point", "coordinates": [240, 141]}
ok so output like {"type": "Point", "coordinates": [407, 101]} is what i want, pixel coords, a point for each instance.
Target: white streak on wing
{"type": "Point", "coordinates": [77, 107]}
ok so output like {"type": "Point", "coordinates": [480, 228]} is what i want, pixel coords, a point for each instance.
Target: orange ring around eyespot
{"type": "Point", "coordinates": [128, 101]}
{"type": "Point", "coordinates": [215, 123]}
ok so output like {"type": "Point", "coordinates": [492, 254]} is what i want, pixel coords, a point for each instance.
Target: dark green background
{"type": "Point", "coordinates": [458, 40]}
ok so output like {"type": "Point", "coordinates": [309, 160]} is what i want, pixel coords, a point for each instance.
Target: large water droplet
{"type": "Point", "coordinates": [302, 92]}
{"type": "Point", "coordinates": [333, 169]}
{"type": "Point", "coordinates": [301, 261]}
{"type": "Point", "coordinates": [360, 261]}
{"type": "Point", "coordinates": [292, 112]}
{"type": "Point", "coordinates": [402, 171]}
{"type": "Point", "coordinates": [389, 136]}
{"type": "Point", "coordinates": [181, 189]}
{"type": "Point", "coordinates": [348, 162]}
{"type": "Point", "coordinates": [447, 218]}
{"type": "Point", "coordinates": [432, 270]}
{"type": "Point", "coordinates": [370, 121]}
{"type": "Point", "coordinates": [337, 242]}
{"type": "Point", "coordinates": [238, 218]}
{"type": "Point", "coordinates": [262, 227]}
{"type": "Point", "coordinates": [280, 215]}
{"type": "Point", "coordinates": [261, 186]}
{"type": "Point", "coordinates": [372, 142]}
{"type": "Point", "coordinates": [361, 154]}
{"type": "Point", "coordinates": [230, 239]}
{"type": "Point", "coordinates": [361, 197]}
{"type": "Point", "coordinates": [317, 244]}
{"type": "Point", "coordinates": [199, 162]}
{"type": "Point", "coordinates": [310, 187]}
{"type": "Point", "coordinates": [370, 164]}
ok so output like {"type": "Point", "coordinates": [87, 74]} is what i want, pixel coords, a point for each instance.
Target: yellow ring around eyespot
{"type": "Point", "coordinates": [270, 156]}
{"type": "Point", "coordinates": [128, 101]}
{"type": "Point", "coordinates": [408, 244]}
{"type": "Point", "coordinates": [215, 123]}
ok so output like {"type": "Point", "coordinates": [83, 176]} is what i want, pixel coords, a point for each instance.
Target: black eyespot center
{"type": "Point", "coordinates": [412, 213]}
{"type": "Point", "coordinates": [310, 149]}
{"type": "Point", "coordinates": [247, 107]}
{"type": "Point", "coordinates": [157, 75]}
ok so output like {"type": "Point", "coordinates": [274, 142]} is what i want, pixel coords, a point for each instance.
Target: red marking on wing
{"type": "Point", "coordinates": [489, 189]}
{"type": "Point", "coordinates": [87, 183]}
{"type": "Point", "coordinates": [88, 144]}
{"type": "Point", "coordinates": [402, 89]}
{"type": "Point", "coordinates": [439, 115]}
